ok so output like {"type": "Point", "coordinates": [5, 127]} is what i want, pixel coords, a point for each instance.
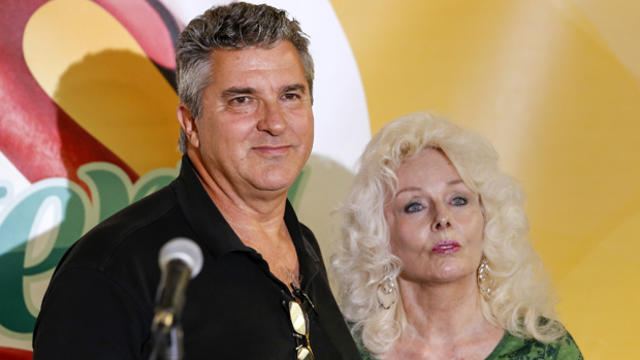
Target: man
{"type": "Point", "coordinates": [245, 81]}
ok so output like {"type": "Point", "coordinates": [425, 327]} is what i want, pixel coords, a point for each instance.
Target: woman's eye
{"type": "Point", "coordinates": [459, 201]}
{"type": "Point", "coordinates": [412, 207]}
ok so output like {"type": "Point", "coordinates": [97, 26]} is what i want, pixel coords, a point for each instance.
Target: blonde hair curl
{"type": "Point", "coordinates": [520, 300]}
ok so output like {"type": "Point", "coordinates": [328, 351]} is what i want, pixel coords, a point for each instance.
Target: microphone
{"type": "Point", "coordinates": [180, 260]}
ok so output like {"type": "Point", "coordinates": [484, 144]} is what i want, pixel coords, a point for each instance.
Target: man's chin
{"type": "Point", "coordinates": [275, 183]}
{"type": "Point", "coordinates": [273, 187]}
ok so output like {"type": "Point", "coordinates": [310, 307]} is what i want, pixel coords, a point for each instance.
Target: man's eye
{"type": "Point", "coordinates": [412, 207]}
{"type": "Point", "coordinates": [459, 201]}
{"type": "Point", "coordinates": [290, 96]}
{"type": "Point", "coordinates": [240, 100]}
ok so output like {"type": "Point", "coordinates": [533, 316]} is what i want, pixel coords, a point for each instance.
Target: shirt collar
{"type": "Point", "coordinates": [201, 213]}
{"type": "Point", "coordinates": [215, 233]}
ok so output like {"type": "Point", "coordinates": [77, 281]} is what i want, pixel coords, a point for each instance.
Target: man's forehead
{"type": "Point", "coordinates": [281, 64]}
{"type": "Point", "coordinates": [274, 51]}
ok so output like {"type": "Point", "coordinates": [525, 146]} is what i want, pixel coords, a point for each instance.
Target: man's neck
{"type": "Point", "coordinates": [258, 221]}
{"type": "Point", "coordinates": [251, 210]}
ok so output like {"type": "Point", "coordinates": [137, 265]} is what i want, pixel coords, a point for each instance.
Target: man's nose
{"type": "Point", "coordinates": [272, 119]}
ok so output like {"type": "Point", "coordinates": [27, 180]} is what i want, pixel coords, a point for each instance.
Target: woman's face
{"type": "Point", "coordinates": [435, 221]}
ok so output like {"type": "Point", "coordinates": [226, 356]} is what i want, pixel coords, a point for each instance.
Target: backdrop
{"type": "Point", "coordinates": [87, 126]}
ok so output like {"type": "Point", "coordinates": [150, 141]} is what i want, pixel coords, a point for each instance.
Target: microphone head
{"type": "Point", "coordinates": [182, 249]}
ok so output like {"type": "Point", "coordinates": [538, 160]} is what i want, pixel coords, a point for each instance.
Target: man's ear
{"type": "Point", "coordinates": [188, 124]}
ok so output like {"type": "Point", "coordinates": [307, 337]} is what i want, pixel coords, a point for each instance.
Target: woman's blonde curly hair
{"type": "Point", "coordinates": [520, 300]}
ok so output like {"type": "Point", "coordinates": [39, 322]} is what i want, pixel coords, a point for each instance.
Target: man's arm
{"type": "Point", "coordinates": [86, 315]}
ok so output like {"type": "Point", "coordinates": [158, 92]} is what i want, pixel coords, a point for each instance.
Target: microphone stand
{"type": "Point", "coordinates": [167, 340]}
{"type": "Point", "coordinates": [166, 328]}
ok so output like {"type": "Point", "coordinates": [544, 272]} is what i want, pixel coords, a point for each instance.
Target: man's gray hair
{"type": "Point", "coordinates": [234, 26]}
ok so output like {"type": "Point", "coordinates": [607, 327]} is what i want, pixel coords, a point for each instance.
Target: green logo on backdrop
{"type": "Point", "coordinates": [29, 251]}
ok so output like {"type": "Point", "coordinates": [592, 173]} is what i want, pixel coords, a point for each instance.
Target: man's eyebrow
{"type": "Point", "coordinates": [295, 87]}
{"type": "Point", "coordinates": [238, 91]}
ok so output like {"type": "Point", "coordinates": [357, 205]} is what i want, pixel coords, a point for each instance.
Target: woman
{"type": "Point", "coordinates": [434, 260]}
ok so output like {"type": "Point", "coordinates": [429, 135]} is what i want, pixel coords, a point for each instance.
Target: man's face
{"type": "Point", "coordinates": [256, 127]}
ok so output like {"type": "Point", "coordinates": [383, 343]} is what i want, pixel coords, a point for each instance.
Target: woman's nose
{"type": "Point", "coordinates": [442, 220]}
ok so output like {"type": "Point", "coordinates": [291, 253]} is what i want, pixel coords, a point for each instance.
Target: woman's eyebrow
{"type": "Point", "coordinates": [410, 188]}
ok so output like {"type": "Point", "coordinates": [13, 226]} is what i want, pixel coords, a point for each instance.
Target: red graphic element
{"type": "Point", "coordinates": [146, 26]}
{"type": "Point", "coordinates": [37, 136]}
{"type": "Point", "coordinates": [14, 354]}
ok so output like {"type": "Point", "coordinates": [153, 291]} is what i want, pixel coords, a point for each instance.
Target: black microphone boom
{"type": "Point", "coordinates": [180, 260]}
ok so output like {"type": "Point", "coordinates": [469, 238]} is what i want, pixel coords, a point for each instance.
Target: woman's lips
{"type": "Point", "coordinates": [446, 247]}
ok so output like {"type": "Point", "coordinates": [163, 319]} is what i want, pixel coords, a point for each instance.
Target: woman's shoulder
{"type": "Point", "coordinates": [512, 347]}
{"type": "Point", "coordinates": [364, 353]}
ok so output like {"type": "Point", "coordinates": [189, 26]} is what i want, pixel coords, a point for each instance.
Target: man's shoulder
{"type": "Point", "coordinates": [307, 234]}
{"type": "Point", "coordinates": [310, 241]}
{"type": "Point", "coordinates": [112, 268]}
{"type": "Point", "coordinates": [133, 233]}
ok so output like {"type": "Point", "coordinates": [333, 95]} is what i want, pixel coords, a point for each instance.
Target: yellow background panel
{"type": "Point", "coordinates": [554, 85]}
{"type": "Point", "coordinates": [104, 81]}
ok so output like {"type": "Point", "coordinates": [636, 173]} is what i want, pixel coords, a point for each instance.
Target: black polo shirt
{"type": "Point", "coordinates": [100, 302]}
